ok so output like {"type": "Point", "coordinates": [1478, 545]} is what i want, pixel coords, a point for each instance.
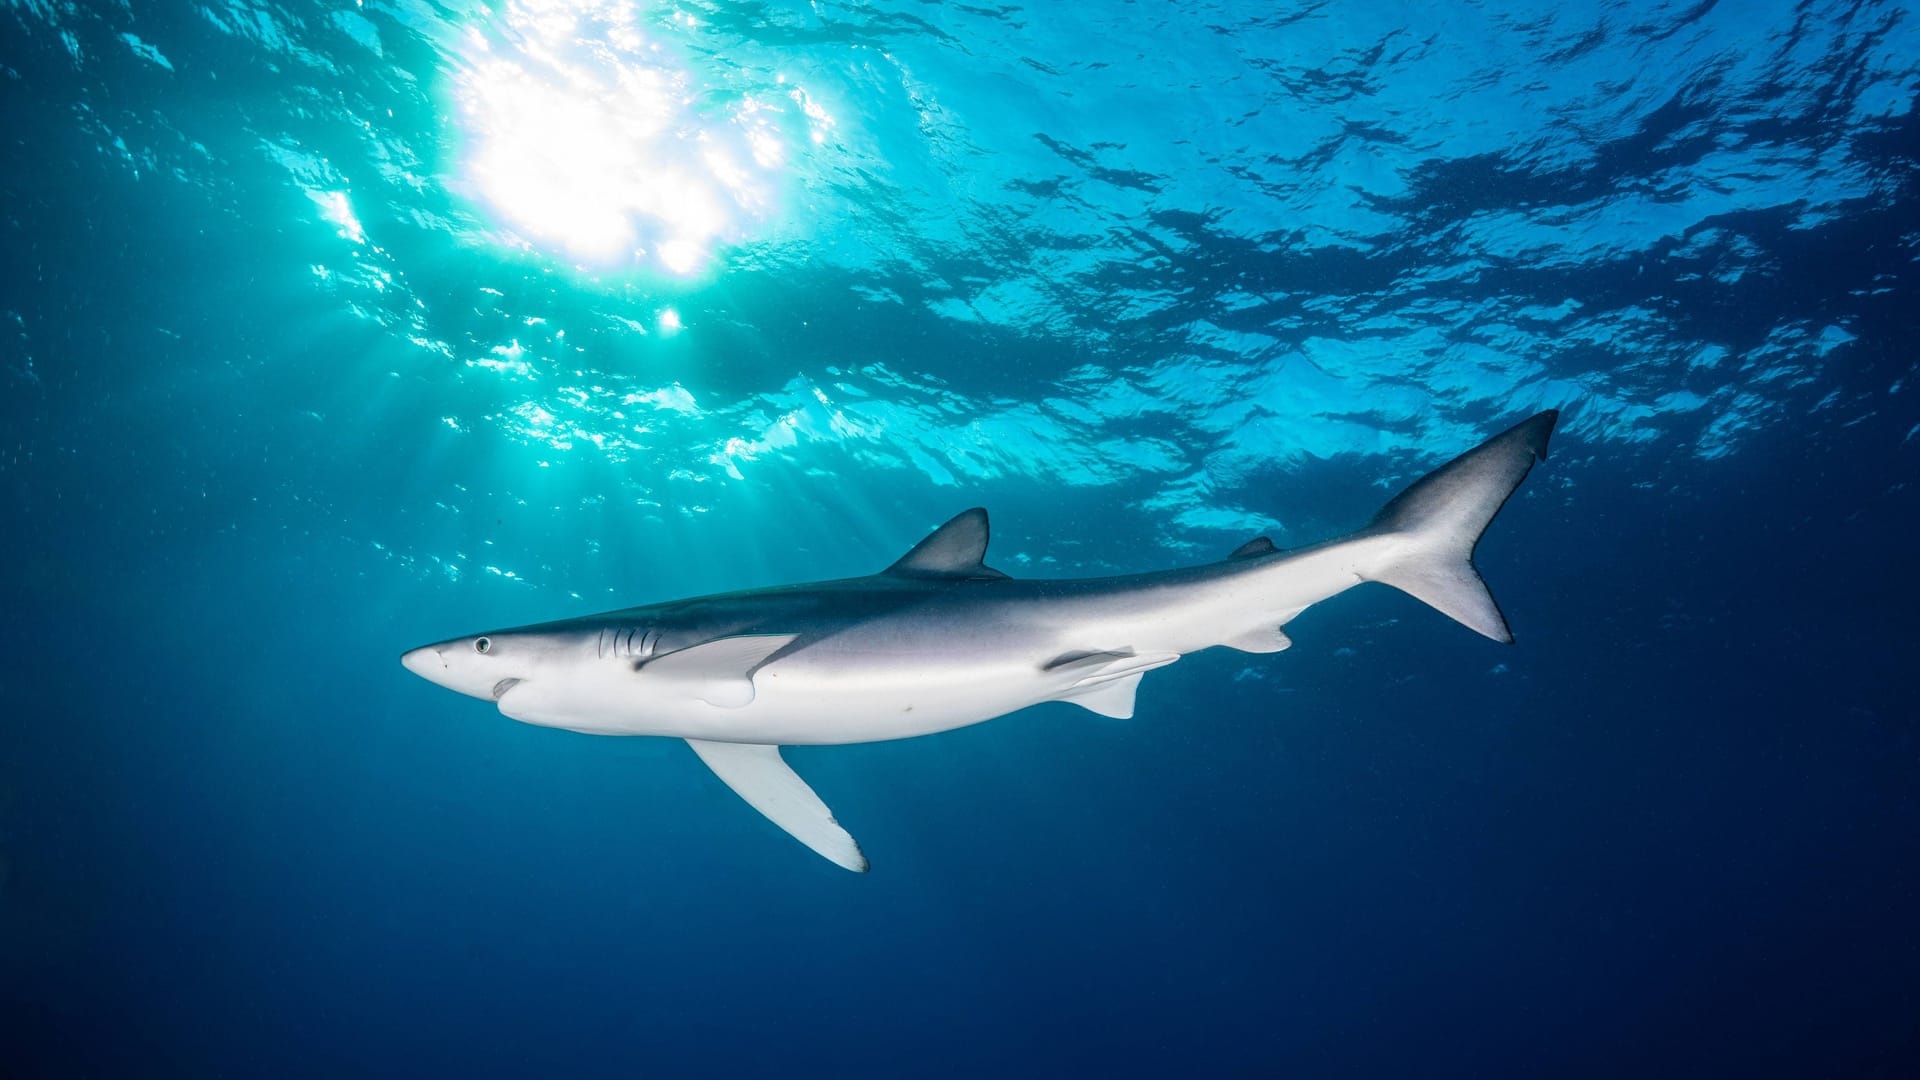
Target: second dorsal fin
{"type": "Point", "coordinates": [1259, 545]}
{"type": "Point", "coordinates": [954, 550]}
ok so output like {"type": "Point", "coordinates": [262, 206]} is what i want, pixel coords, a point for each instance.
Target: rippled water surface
{"type": "Point", "coordinates": [332, 328]}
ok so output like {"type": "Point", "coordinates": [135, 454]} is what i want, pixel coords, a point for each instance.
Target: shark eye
{"type": "Point", "coordinates": [481, 645]}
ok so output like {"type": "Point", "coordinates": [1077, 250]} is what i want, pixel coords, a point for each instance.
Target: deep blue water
{"type": "Point", "coordinates": [332, 329]}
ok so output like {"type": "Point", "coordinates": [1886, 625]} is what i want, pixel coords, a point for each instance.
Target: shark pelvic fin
{"type": "Point", "coordinates": [957, 549]}
{"type": "Point", "coordinates": [1111, 698]}
{"type": "Point", "coordinates": [1105, 682]}
{"type": "Point", "coordinates": [759, 775]}
{"type": "Point", "coordinates": [718, 672]}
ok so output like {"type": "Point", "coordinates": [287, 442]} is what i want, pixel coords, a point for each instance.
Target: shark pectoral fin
{"type": "Point", "coordinates": [718, 672]}
{"type": "Point", "coordinates": [1105, 682]}
{"type": "Point", "coordinates": [757, 774]}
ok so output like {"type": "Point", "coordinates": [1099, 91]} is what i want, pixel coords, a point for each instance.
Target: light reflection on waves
{"type": "Point", "coordinates": [1375, 249]}
{"type": "Point", "coordinates": [1217, 240]}
{"type": "Point", "coordinates": [588, 134]}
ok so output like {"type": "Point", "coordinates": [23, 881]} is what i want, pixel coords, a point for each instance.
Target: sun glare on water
{"type": "Point", "coordinates": [586, 137]}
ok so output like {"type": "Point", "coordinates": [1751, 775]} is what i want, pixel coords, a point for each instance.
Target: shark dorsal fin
{"type": "Point", "coordinates": [1259, 545]}
{"type": "Point", "coordinates": [954, 550]}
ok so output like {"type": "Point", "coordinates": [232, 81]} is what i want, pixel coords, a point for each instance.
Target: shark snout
{"type": "Point", "coordinates": [461, 667]}
{"type": "Point", "coordinates": [426, 662]}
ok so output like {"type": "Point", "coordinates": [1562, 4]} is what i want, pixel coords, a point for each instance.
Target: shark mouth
{"type": "Point", "coordinates": [500, 688]}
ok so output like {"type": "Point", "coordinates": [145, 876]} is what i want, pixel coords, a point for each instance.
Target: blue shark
{"type": "Point", "coordinates": [939, 640]}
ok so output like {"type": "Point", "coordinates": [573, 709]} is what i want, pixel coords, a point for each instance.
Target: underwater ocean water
{"type": "Point", "coordinates": [331, 329]}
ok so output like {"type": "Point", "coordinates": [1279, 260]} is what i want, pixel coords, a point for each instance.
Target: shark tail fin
{"type": "Point", "coordinates": [1440, 518]}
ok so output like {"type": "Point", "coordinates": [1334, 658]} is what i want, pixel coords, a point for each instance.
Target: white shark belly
{"type": "Point", "coordinates": [891, 678]}
{"type": "Point", "coordinates": [794, 703]}
{"type": "Point", "coordinates": [796, 707]}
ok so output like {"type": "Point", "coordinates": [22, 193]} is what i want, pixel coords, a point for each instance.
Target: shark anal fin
{"type": "Point", "coordinates": [1266, 639]}
{"type": "Point", "coordinates": [1105, 682]}
{"type": "Point", "coordinates": [718, 672]}
{"type": "Point", "coordinates": [758, 774]}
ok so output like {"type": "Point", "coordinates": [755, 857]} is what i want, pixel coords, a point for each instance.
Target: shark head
{"type": "Point", "coordinates": [485, 666]}
{"type": "Point", "coordinates": [598, 674]}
